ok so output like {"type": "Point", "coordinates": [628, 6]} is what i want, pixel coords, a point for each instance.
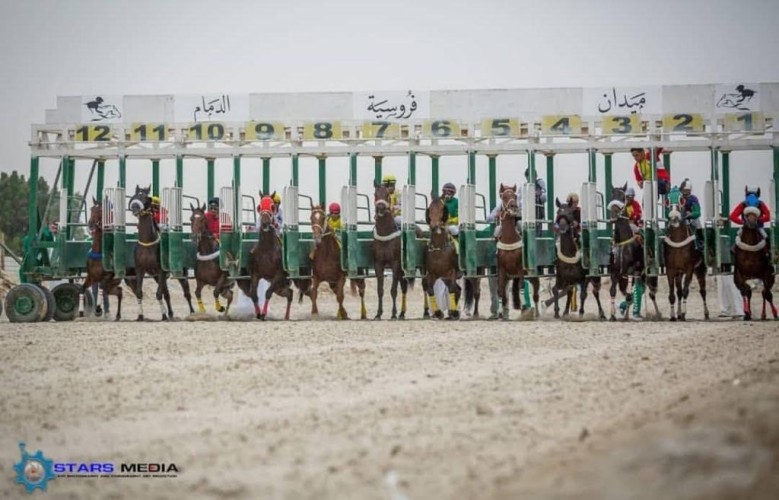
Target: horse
{"type": "Point", "coordinates": [626, 260]}
{"type": "Point", "coordinates": [326, 265]}
{"type": "Point", "coordinates": [750, 262]}
{"type": "Point", "coordinates": [440, 260]}
{"type": "Point", "coordinates": [265, 262]}
{"type": "Point", "coordinates": [386, 253]}
{"type": "Point", "coordinates": [569, 271]}
{"type": "Point", "coordinates": [95, 272]}
{"type": "Point", "coordinates": [207, 270]}
{"type": "Point", "coordinates": [509, 251]}
{"type": "Point", "coordinates": [682, 260]}
{"type": "Point", "coordinates": [147, 252]}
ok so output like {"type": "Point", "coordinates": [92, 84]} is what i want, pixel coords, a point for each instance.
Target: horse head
{"type": "Point", "coordinates": [508, 201]}
{"type": "Point", "coordinates": [564, 218]}
{"type": "Point", "coordinates": [751, 216]}
{"type": "Point", "coordinates": [381, 199]}
{"type": "Point", "coordinates": [95, 222]}
{"type": "Point", "coordinates": [318, 223]}
{"type": "Point", "coordinates": [266, 213]}
{"type": "Point", "coordinates": [198, 222]}
{"type": "Point", "coordinates": [674, 216]}
{"type": "Point", "coordinates": [436, 214]}
{"type": "Point", "coordinates": [140, 203]}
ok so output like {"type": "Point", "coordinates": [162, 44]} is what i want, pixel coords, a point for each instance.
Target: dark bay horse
{"type": "Point", "coordinates": [207, 270]}
{"type": "Point", "coordinates": [750, 262]}
{"type": "Point", "coordinates": [386, 253]}
{"type": "Point", "coordinates": [510, 247]}
{"type": "Point", "coordinates": [266, 263]}
{"type": "Point", "coordinates": [95, 272]}
{"type": "Point", "coordinates": [440, 260]}
{"type": "Point", "coordinates": [326, 265]}
{"type": "Point", "coordinates": [569, 271]}
{"type": "Point", "coordinates": [682, 260]}
{"type": "Point", "coordinates": [626, 261]}
{"type": "Point", "coordinates": [147, 253]}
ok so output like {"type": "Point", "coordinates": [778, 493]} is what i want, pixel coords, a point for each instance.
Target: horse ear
{"type": "Point", "coordinates": [758, 192]}
{"type": "Point", "coordinates": [427, 216]}
{"type": "Point", "coordinates": [260, 193]}
{"type": "Point", "coordinates": [311, 203]}
{"type": "Point", "coordinates": [514, 188]}
{"type": "Point", "coordinates": [557, 202]}
{"type": "Point", "coordinates": [625, 187]}
{"type": "Point", "coordinates": [148, 189]}
{"type": "Point", "coordinates": [94, 200]}
{"type": "Point", "coordinates": [502, 188]}
{"type": "Point", "coordinates": [273, 194]}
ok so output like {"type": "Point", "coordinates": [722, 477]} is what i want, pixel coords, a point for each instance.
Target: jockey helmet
{"type": "Point", "coordinates": [155, 200]}
{"type": "Point", "coordinates": [213, 203]}
{"type": "Point", "coordinates": [630, 192]}
{"type": "Point", "coordinates": [276, 198]}
{"type": "Point", "coordinates": [334, 208]}
{"type": "Point", "coordinates": [388, 179]}
{"type": "Point", "coordinates": [572, 198]}
{"type": "Point", "coordinates": [449, 187]}
{"type": "Point", "coordinates": [686, 185]}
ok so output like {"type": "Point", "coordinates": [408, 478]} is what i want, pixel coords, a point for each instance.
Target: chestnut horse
{"type": "Point", "coordinates": [95, 272]}
{"type": "Point", "coordinates": [386, 253]}
{"type": "Point", "coordinates": [751, 262]}
{"type": "Point", "coordinates": [440, 260]}
{"type": "Point", "coordinates": [326, 265]}
{"type": "Point", "coordinates": [207, 270]}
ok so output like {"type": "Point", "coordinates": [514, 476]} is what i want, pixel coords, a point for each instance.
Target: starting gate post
{"type": "Point", "coordinates": [468, 250]}
{"type": "Point", "coordinates": [590, 227]}
{"type": "Point", "coordinates": [114, 232]}
{"type": "Point", "coordinates": [529, 226]}
{"type": "Point", "coordinates": [775, 200]}
{"type": "Point", "coordinates": [289, 204]}
{"type": "Point", "coordinates": [651, 241]}
{"type": "Point", "coordinates": [172, 223]}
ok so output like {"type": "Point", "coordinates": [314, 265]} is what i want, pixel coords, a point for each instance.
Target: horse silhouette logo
{"type": "Point", "coordinates": [101, 111]}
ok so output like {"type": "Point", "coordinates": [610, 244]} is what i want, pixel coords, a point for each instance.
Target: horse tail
{"type": "Point", "coordinates": [516, 288]}
{"type": "Point", "coordinates": [353, 287]}
{"type": "Point", "coordinates": [411, 282]}
{"type": "Point", "coordinates": [468, 294]}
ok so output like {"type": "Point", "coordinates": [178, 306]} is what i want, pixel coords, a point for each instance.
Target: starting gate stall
{"type": "Point", "coordinates": [681, 118]}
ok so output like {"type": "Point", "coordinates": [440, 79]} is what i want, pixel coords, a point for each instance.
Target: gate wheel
{"type": "Point", "coordinates": [25, 304]}
{"type": "Point", "coordinates": [51, 304]}
{"type": "Point", "coordinates": [66, 298]}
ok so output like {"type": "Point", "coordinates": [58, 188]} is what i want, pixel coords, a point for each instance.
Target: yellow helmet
{"type": "Point", "coordinates": [388, 179]}
{"type": "Point", "coordinates": [276, 198]}
{"type": "Point", "coordinates": [155, 200]}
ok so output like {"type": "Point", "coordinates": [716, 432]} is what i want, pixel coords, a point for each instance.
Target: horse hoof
{"type": "Point", "coordinates": [140, 317]}
{"type": "Point", "coordinates": [426, 315]}
{"type": "Point", "coordinates": [81, 314]}
{"type": "Point", "coordinates": [613, 318]}
{"type": "Point", "coordinates": [220, 309]}
{"type": "Point", "coordinates": [164, 317]}
{"type": "Point", "coordinates": [98, 311]}
{"type": "Point", "coordinates": [683, 317]}
{"type": "Point", "coordinates": [394, 316]}
{"type": "Point", "coordinates": [377, 317]}
{"type": "Point", "coordinates": [402, 316]}
{"type": "Point", "coordinates": [673, 318]}
{"type": "Point", "coordinates": [118, 318]}
{"type": "Point", "coordinates": [438, 315]}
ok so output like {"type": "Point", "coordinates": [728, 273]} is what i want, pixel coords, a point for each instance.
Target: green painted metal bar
{"type": "Point", "coordinates": [667, 162]}
{"type": "Point", "coordinates": [592, 171]}
{"type": "Point", "coordinates": [531, 166]}
{"type": "Point", "coordinates": [322, 180]}
{"type": "Point", "coordinates": [180, 172]}
{"type": "Point", "coordinates": [377, 167]}
{"type": "Point", "coordinates": [435, 170]}
{"type": "Point", "coordinates": [550, 207]}
{"type": "Point", "coordinates": [32, 199]}
{"type": "Point", "coordinates": [237, 171]}
{"type": "Point", "coordinates": [122, 171]}
{"type": "Point", "coordinates": [607, 177]}
{"type": "Point", "coordinates": [295, 169]}
{"type": "Point", "coordinates": [412, 168]}
{"type": "Point", "coordinates": [71, 192]}
{"type": "Point", "coordinates": [266, 175]}
{"type": "Point", "coordinates": [471, 167]}
{"type": "Point", "coordinates": [100, 179]}
{"type": "Point", "coordinates": [210, 174]}
{"type": "Point", "coordinates": [725, 186]}
{"type": "Point", "coordinates": [352, 169]}
{"type": "Point", "coordinates": [155, 177]}
{"type": "Point", "coordinates": [493, 173]}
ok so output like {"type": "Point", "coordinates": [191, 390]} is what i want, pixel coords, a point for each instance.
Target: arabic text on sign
{"type": "Point", "coordinates": [207, 108]}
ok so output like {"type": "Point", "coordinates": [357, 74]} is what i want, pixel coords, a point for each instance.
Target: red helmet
{"type": "Point", "coordinates": [334, 208]}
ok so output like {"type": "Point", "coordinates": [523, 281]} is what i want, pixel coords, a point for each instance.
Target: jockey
{"type": "Point", "coordinates": [642, 169]}
{"type": "Point", "coordinates": [691, 212]}
{"type": "Point", "coordinates": [752, 200]}
{"type": "Point", "coordinates": [212, 216]}
{"type": "Point", "coordinates": [271, 204]}
{"type": "Point", "coordinates": [334, 222]}
{"type": "Point", "coordinates": [279, 216]}
{"type": "Point", "coordinates": [632, 209]}
{"type": "Point", "coordinates": [394, 201]}
{"type": "Point", "coordinates": [155, 209]}
{"type": "Point", "coordinates": [452, 206]}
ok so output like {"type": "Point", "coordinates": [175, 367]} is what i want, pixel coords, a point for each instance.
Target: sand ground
{"type": "Point", "coordinates": [391, 409]}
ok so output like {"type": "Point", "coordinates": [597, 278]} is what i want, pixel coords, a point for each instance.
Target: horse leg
{"type": "Point", "coordinates": [227, 293]}
{"type": "Point", "coordinates": [117, 290]}
{"type": "Point", "coordinates": [338, 289]}
{"type": "Point", "coordinates": [502, 293]}
{"type": "Point", "coordinates": [746, 293]}
{"type": "Point", "coordinates": [700, 274]}
{"type": "Point", "coordinates": [430, 290]}
{"type": "Point", "coordinates": [184, 282]}
{"type": "Point", "coordinates": [363, 309]}
{"type": "Point", "coordinates": [613, 294]}
{"type": "Point", "coordinates": [476, 295]}
{"type": "Point", "coordinates": [626, 287]}
{"type": "Point", "coordinates": [139, 291]}
{"type": "Point", "coordinates": [426, 311]}
{"type": "Point", "coordinates": [163, 293]}
{"type": "Point", "coordinates": [452, 311]}
{"type": "Point", "coordinates": [583, 286]}
{"type": "Point", "coordinates": [536, 285]}
{"type": "Point", "coordinates": [82, 295]}
{"type": "Point", "coordinates": [379, 269]}
{"type": "Point", "coordinates": [768, 296]}
{"type": "Point", "coordinates": [671, 276]}
{"type": "Point", "coordinates": [403, 292]}
{"type": "Point", "coordinates": [556, 298]}
{"type": "Point", "coordinates": [201, 308]}
{"type": "Point", "coordinates": [651, 284]}
{"type": "Point", "coordinates": [254, 284]}
{"type": "Point", "coordinates": [686, 293]}
{"type": "Point", "coordinates": [394, 294]}
{"type": "Point", "coordinates": [313, 290]}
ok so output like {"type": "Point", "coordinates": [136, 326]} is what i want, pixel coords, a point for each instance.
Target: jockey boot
{"type": "Point", "coordinates": [699, 240]}
{"type": "Point", "coordinates": [638, 295]}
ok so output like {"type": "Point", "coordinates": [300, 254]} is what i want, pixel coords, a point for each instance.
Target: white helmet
{"type": "Point", "coordinates": [630, 192]}
{"type": "Point", "coordinates": [686, 185]}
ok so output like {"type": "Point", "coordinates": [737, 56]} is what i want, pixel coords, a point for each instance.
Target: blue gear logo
{"type": "Point", "coordinates": [34, 471]}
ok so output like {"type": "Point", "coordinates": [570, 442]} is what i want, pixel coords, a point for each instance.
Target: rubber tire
{"type": "Point", "coordinates": [66, 294]}
{"type": "Point", "coordinates": [51, 304]}
{"type": "Point", "coordinates": [31, 292]}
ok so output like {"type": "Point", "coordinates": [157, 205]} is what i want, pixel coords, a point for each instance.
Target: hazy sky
{"type": "Point", "coordinates": [52, 48]}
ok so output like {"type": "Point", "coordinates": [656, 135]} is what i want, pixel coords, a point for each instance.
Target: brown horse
{"type": "Point", "coordinates": [386, 253]}
{"type": "Point", "coordinates": [207, 270]}
{"type": "Point", "coordinates": [510, 262]}
{"type": "Point", "coordinates": [682, 260]}
{"type": "Point", "coordinates": [440, 260]}
{"type": "Point", "coordinates": [326, 265]}
{"type": "Point", "coordinates": [95, 272]}
{"type": "Point", "coordinates": [147, 253]}
{"type": "Point", "coordinates": [266, 263]}
{"type": "Point", "coordinates": [569, 272]}
{"type": "Point", "coordinates": [750, 262]}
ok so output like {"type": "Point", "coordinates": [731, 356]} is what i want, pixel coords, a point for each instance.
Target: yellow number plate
{"type": "Point", "coordinates": [441, 128]}
{"type": "Point", "coordinates": [263, 131]}
{"type": "Point", "coordinates": [628, 124]}
{"type": "Point", "coordinates": [206, 131]}
{"type": "Point", "coordinates": [379, 129]}
{"type": "Point", "coordinates": [142, 132]}
{"type": "Point", "coordinates": [322, 131]}
{"type": "Point", "coordinates": [561, 125]}
{"type": "Point", "coordinates": [744, 122]}
{"type": "Point", "coordinates": [683, 122]}
{"type": "Point", "coordinates": [500, 127]}
{"type": "Point", "coordinates": [93, 133]}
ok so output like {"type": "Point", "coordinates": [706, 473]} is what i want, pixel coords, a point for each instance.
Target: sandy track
{"type": "Point", "coordinates": [356, 409]}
